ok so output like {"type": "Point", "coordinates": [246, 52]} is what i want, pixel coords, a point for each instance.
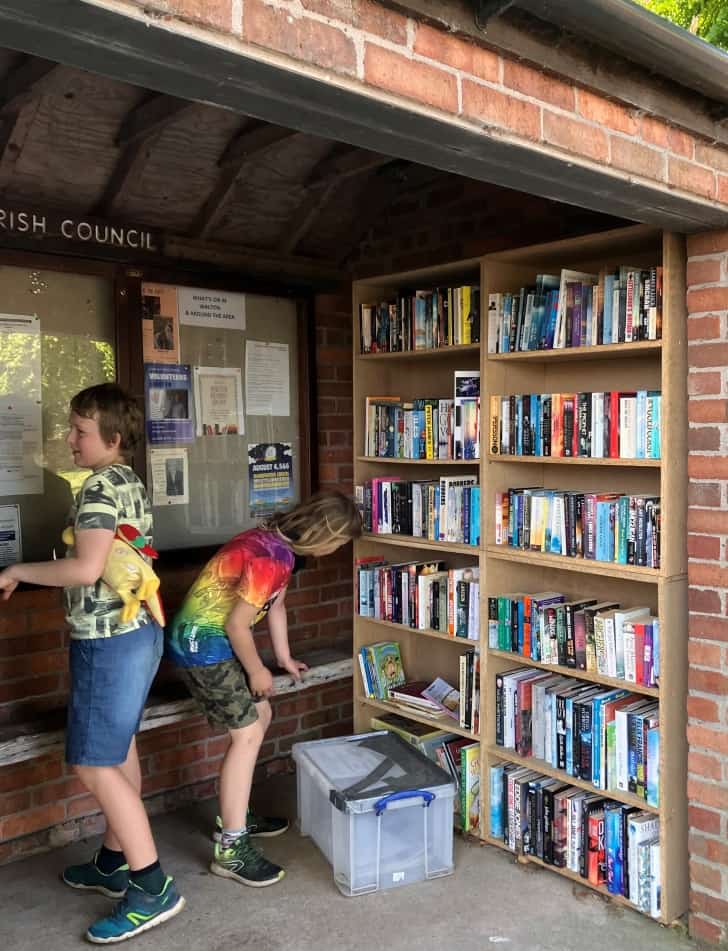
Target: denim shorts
{"type": "Point", "coordinates": [110, 680]}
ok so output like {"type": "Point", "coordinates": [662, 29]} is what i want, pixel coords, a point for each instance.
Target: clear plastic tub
{"type": "Point", "coordinates": [379, 810]}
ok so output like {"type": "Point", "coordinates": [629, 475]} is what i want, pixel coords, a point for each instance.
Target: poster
{"type": "Point", "coordinates": [267, 379]}
{"type": "Point", "coordinates": [21, 429]}
{"type": "Point", "coordinates": [199, 307]}
{"type": "Point", "coordinates": [270, 477]}
{"type": "Point", "coordinates": [168, 402]}
{"type": "Point", "coordinates": [169, 476]}
{"type": "Point", "coordinates": [11, 547]}
{"type": "Point", "coordinates": [160, 327]}
{"type": "Point", "coordinates": [219, 401]}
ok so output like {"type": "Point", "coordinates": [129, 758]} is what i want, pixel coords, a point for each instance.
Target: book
{"type": "Point", "coordinates": [445, 696]}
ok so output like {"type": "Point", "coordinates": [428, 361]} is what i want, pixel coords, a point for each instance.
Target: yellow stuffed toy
{"type": "Point", "coordinates": [128, 574]}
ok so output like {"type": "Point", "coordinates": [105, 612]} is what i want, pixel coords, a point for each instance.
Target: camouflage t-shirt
{"type": "Point", "coordinates": [108, 497]}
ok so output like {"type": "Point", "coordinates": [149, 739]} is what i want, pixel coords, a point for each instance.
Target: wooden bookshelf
{"type": "Point", "coordinates": [659, 365]}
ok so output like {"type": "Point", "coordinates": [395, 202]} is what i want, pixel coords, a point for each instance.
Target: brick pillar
{"type": "Point", "coordinates": [707, 280]}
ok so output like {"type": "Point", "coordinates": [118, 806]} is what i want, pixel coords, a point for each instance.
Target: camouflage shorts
{"type": "Point", "coordinates": [223, 693]}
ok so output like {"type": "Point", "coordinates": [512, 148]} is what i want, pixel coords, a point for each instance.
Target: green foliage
{"type": "Point", "coordinates": [708, 19]}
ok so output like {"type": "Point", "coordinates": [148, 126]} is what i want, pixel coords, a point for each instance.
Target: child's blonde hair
{"type": "Point", "coordinates": [326, 517]}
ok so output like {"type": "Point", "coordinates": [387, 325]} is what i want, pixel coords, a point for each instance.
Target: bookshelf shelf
{"type": "Point", "coordinates": [583, 565]}
{"type": "Point", "coordinates": [612, 351]}
{"type": "Point", "coordinates": [503, 753]}
{"type": "Point", "coordinates": [441, 723]}
{"type": "Point", "coordinates": [419, 462]}
{"type": "Point", "coordinates": [580, 461]}
{"type": "Point", "coordinates": [588, 675]}
{"type": "Point", "coordinates": [645, 365]}
{"type": "Point", "coordinates": [417, 632]}
{"type": "Point", "coordinates": [419, 354]}
{"type": "Point", "coordinates": [409, 541]}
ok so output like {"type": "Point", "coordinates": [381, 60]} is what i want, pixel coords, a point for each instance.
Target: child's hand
{"type": "Point", "coordinates": [8, 583]}
{"type": "Point", "coordinates": [261, 682]}
{"type": "Point", "coordinates": [294, 667]}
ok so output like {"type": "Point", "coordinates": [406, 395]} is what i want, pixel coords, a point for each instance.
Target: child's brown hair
{"type": "Point", "coordinates": [116, 412]}
{"type": "Point", "coordinates": [326, 517]}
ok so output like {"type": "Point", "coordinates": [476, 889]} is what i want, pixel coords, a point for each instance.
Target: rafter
{"type": "Point", "coordinates": [151, 116]}
{"type": "Point", "coordinates": [23, 80]}
{"type": "Point", "coordinates": [310, 209]}
{"type": "Point", "coordinates": [139, 129]}
{"type": "Point", "coordinates": [14, 130]}
{"type": "Point", "coordinates": [249, 143]}
{"type": "Point", "coordinates": [345, 164]}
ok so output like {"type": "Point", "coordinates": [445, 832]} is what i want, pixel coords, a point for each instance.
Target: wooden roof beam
{"type": "Point", "coordinates": [251, 142]}
{"type": "Point", "coordinates": [151, 116]}
{"type": "Point", "coordinates": [23, 80]}
{"type": "Point", "coordinates": [310, 209]}
{"type": "Point", "coordinates": [346, 164]}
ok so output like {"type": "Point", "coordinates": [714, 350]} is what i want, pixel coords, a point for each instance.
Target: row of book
{"type": "Point", "coordinates": [597, 637]}
{"type": "Point", "coordinates": [457, 755]}
{"type": "Point", "coordinates": [605, 842]}
{"type": "Point", "coordinates": [446, 509]}
{"type": "Point", "coordinates": [420, 594]}
{"type": "Point", "coordinates": [607, 736]}
{"type": "Point", "coordinates": [602, 526]}
{"type": "Point", "coordinates": [605, 425]}
{"type": "Point", "coordinates": [577, 309]}
{"type": "Point", "coordinates": [426, 427]}
{"type": "Point", "coordinates": [423, 320]}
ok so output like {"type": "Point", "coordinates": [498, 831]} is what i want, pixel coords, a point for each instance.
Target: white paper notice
{"type": "Point", "coordinates": [170, 476]}
{"type": "Point", "coordinates": [267, 379]}
{"type": "Point", "coordinates": [205, 308]}
{"type": "Point", "coordinates": [219, 401]}
{"type": "Point", "coordinates": [21, 433]}
{"type": "Point", "coordinates": [11, 549]}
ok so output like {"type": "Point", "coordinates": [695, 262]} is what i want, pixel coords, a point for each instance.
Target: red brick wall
{"type": "Point", "coordinates": [364, 44]}
{"type": "Point", "coordinates": [41, 803]}
{"type": "Point", "coordinates": [708, 577]}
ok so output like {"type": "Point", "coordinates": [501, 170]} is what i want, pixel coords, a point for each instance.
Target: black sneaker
{"type": "Point", "coordinates": [244, 863]}
{"type": "Point", "coordinates": [263, 827]}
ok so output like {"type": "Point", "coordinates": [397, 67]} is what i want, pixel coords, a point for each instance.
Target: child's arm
{"type": "Point", "coordinates": [278, 627]}
{"type": "Point", "coordinates": [85, 567]}
{"type": "Point", "coordinates": [238, 628]}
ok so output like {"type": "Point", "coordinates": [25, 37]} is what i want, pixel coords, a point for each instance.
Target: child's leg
{"type": "Point", "coordinates": [236, 775]}
{"type": "Point", "coordinates": [133, 772]}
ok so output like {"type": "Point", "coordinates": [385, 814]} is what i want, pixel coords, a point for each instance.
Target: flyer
{"type": "Point", "coordinates": [169, 476]}
{"type": "Point", "coordinates": [270, 477]}
{"type": "Point", "coordinates": [21, 430]}
{"type": "Point", "coordinates": [11, 546]}
{"type": "Point", "coordinates": [218, 401]}
{"type": "Point", "coordinates": [267, 383]}
{"type": "Point", "coordinates": [160, 326]}
{"type": "Point", "coordinates": [205, 308]}
{"type": "Point", "coordinates": [168, 402]}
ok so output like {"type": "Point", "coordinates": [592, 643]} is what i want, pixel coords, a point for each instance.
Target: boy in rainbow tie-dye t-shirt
{"type": "Point", "coordinates": [211, 640]}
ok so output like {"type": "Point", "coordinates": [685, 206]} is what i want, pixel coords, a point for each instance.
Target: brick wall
{"type": "Point", "coordinates": [42, 804]}
{"type": "Point", "coordinates": [367, 45]}
{"type": "Point", "coordinates": [708, 577]}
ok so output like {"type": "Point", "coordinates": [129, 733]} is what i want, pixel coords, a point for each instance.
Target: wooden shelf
{"type": "Point", "coordinates": [565, 872]}
{"type": "Point", "coordinates": [579, 461]}
{"type": "Point", "coordinates": [583, 565]}
{"type": "Point", "coordinates": [441, 723]}
{"type": "Point", "coordinates": [540, 766]}
{"type": "Point", "coordinates": [409, 541]}
{"type": "Point", "coordinates": [418, 632]}
{"type": "Point", "coordinates": [589, 675]}
{"type": "Point", "coordinates": [388, 460]}
{"type": "Point", "coordinates": [421, 354]}
{"type": "Point", "coordinates": [613, 351]}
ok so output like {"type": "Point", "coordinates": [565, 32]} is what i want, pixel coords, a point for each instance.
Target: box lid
{"type": "Point", "coordinates": [362, 770]}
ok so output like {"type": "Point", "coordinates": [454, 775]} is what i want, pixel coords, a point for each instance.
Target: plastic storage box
{"type": "Point", "coordinates": [379, 810]}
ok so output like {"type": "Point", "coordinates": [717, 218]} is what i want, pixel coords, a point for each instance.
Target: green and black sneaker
{"type": "Point", "coordinates": [89, 877]}
{"type": "Point", "coordinates": [244, 863]}
{"type": "Point", "coordinates": [263, 827]}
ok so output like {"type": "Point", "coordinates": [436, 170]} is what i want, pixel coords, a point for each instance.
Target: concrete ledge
{"type": "Point", "coordinates": [30, 739]}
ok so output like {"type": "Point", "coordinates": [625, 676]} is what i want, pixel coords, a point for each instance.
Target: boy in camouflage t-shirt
{"type": "Point", "coordinates": [112, 665]}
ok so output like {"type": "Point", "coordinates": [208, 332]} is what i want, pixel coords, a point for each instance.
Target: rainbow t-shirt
{"type": "Point", "coordinates": [255, 566]}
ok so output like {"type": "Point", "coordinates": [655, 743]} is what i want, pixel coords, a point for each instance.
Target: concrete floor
{"type": "Point", "coordinates": [489, 900]}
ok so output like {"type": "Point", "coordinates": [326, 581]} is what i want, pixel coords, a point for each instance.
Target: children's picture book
{"type": "Point", "coordinates": [445, 696]}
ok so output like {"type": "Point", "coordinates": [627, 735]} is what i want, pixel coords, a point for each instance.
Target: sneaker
{"type": "Point", "coordinates": [263, 827]}
{"type": "Point", "coordinates": [138, 911]}
{"type": "Point", "coordinates": [89, 877]}
{"type": "Point", "coordinates": [243, 862]}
